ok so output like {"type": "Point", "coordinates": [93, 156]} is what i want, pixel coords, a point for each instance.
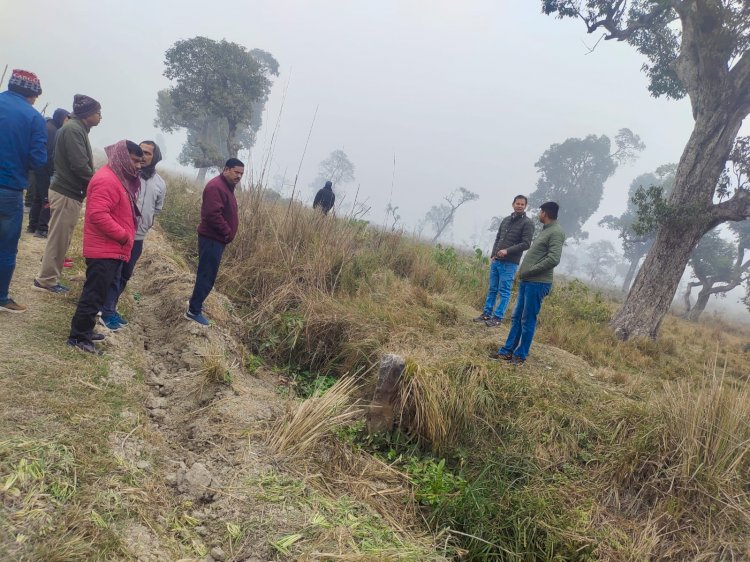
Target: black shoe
{"type": "Point", "coordinates": [481, 318]}
{"type": "Point", "coordinates": [30, 229]}
{"type": "Point", "coordinates": [40, 234]}
{"type": "Point", "coordinates": [84, 346]}
{"type": "Point", "coordinates": [501, 356]}
{"type": "Point", "coordinates": [98, 337]}
{"type": "Point", "coordinates": [493, 322]}
{"type": "Point", "coordinates": [516, 361]}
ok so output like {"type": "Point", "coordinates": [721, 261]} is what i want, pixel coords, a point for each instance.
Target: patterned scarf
{"type": "Point", "coordinates": [118, 160]}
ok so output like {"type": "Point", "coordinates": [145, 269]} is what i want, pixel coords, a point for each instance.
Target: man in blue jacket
{"type": "Point", "coordinates": [23, 147]}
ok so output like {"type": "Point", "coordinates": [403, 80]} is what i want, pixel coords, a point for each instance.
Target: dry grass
{"type": "Point", "coordinates": [310, 421]}
{"type": "Point", "coordinates": [593, 427]}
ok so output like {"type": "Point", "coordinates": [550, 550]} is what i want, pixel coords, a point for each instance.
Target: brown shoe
{"type": "Point", "coordinates": [12, 306]}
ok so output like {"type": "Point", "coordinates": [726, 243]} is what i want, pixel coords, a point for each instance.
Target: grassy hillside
{"type": "Point", "coordinates": [593, 450]}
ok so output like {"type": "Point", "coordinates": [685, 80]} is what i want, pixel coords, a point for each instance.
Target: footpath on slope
{"type": "Point", "coordinates": [156, 450]}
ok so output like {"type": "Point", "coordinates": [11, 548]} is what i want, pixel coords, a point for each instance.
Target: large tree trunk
{"type": "Point", "coordinates": [691, 203]}
{"type": "Point", "coordinates": [201, 175]}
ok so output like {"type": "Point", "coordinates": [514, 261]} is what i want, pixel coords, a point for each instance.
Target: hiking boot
{"type": "Point", "coordinates": [482, 318]}
{"type": "Point", "coordinates": [202, 320]}
{"type": "Point", "coordinates": [493, 322]}
{"type": "Point", "coordinates": [501, 356]}
{"type": "Point", "coordinates": [516, 361]}
{"type": "Point", "coordinates": [30, 229]}
{"type": "Point", "coordinates": [12, 306]}
{"type": "Point", "coordinates": [110, 322]}
{"type": "Point", "coordinates": [120, 319]}
{"type": "Point", "coordinates": [40, 234]}
{"type": "Point", "coordinates": [56, 289]}
{"type": "Point", "coordinates": [84, 346]}
{"type": "Point", "coordinates": [98, 337]}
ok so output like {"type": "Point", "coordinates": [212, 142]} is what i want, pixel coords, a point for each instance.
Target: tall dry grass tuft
{"type": "Point", "coordinates": [312, 420]}
{"type": "Point", "coordinates": [707, 440]}
{"type": "Point", "coordinates": [443, 405]}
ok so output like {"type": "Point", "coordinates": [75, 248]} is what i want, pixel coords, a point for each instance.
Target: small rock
{"type": "Point", "coordinates": [195, 482]}
{"type": "Point", "coordinates": [143, 465]}
{"type": "Point", "coordinates": [202, 531]}
{"type": "Point", "coordinates": [158, 415]}
{"type": "Point", "coordinates": [171, 479]}
{"type": "Point", "coordinates": [165, 390]}
{"type": "Point", "coordinates": [156, 403]}
{"type": "Point", "coordinates": [218, 554]}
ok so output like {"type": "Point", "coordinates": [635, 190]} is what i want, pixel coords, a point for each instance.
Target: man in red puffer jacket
{"type": "Point", "coordinates": [108, 234]}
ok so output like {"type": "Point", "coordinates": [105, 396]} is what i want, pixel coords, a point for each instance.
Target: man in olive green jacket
{"type": "Point", "coordinates": [74, 167]}
{"type": "Point", "coordinates": [535, 275]}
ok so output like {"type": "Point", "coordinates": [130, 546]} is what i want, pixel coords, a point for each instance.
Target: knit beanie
{"type": "Point", "coordinates": [84, 106]}
{"type": "Point", "coordinates": [24, 83]}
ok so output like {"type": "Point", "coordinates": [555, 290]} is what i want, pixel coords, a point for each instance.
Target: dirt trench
{"type": "Point", "coordinates": [207, 416]}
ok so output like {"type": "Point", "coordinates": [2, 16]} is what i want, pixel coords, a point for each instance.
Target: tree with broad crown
{"type": "Point", "coordinates": [219, 92]}
{"type": "Point", "coordinates": [573, 174]}
{"type": "Point", "coordinates": [634, 245]}
{"type": "Point", "coordinates": [337, 169]}
{"type": "Point", "coordinates": [601, 259]}
{"type": "Point", "coordinates": [440, 217]}
{"type": "Point", "coordinates": [698, 48]}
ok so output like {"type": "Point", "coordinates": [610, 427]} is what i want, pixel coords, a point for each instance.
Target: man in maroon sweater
{"type": "Point", "coordinates": [218, 227]}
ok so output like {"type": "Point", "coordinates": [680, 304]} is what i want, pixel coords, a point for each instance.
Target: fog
{"type": "Point", "coordinates": [462, 93]}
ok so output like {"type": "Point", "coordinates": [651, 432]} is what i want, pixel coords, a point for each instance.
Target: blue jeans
{"type": "Point", "coordinates": [209, 259]}
{"type": "Point", "coordinates": [121, 279]}
{"type": "Point", "coordinates": [501, 281]}
{"type": "Point", "coordinates": [11, 217]}
{"type": "Point", "coordinates": [528, 304]}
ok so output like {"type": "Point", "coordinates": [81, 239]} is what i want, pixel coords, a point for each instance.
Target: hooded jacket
{"type": "Point", "coordinates": [23, 141]}
{"type": "Point", "coordinates": [109, 223]}
{"type": "Point", "coordinates": [325, 198]}
{"type": "Point", "coordinates": [219, 214]}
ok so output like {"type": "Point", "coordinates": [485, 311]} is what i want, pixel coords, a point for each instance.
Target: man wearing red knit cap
{"type": "Point", "coordinates": [23, 142]}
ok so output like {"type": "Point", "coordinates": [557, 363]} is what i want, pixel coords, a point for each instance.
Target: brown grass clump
{"type": "Point", "coordinates": [313, 419]}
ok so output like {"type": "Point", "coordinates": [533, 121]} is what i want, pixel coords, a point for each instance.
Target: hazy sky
{"type": "Point", "coordinates": [464, 93]}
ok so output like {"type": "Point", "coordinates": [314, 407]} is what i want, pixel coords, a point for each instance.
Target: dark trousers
{"type": "Point", "coordinates": [11, 218]}
{"type": "Point", "coordinates": [99, 276]}
{"type": "Point", "coordinates": [39, 214]}
{"type": "Point", "coordinates": [119, 282]}
{"type": "Point", "coordinates": [209, 258]}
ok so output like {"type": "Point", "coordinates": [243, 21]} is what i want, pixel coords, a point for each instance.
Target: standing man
{"type": "Point", "coordinates": [325, 198]}
{"type": "Point", "coordinates": [74, 167]}
{"type": "Point", "coordinates": [39, 214]}
{"type": "Point", "coordinates": [536, 282]}
{"type": "Point", "coordinates": [22, 147]}
{"type": "Point", "coordinates": [108, 233]}
{"type": "Point", "coordinates": [218, 227]}
{"type": "Point", "coordinates": [512, 240]}
{"type": "Point", "coordinates": [149, 203]}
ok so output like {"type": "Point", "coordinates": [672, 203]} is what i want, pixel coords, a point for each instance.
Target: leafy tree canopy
{"type": "Point", "coordinates": [573, 174]}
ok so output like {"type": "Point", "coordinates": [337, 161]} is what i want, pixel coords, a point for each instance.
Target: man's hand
{"type": "Point", "coordinates": [502, 253]}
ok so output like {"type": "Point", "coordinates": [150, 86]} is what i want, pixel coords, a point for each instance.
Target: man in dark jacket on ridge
{"type": "Point", "coordinates": [512, 240]}
{"type": "Point", "coordinates": [218, 227]}
{"type": "Point", "coordinates": [39, 214]}
{"type": "Point", "coordinates": [325, 198]}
